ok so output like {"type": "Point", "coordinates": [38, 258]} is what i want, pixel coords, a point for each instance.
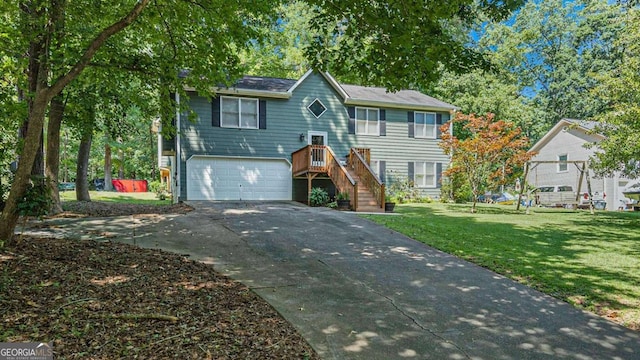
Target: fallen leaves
{"type": "Point", "coordinates": [103, 300]}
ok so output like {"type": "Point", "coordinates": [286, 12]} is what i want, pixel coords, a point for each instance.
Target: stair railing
{"type": "Point", "coordinates": [368, 178]}
{"type": "Point", "coordinates": [341, 178]}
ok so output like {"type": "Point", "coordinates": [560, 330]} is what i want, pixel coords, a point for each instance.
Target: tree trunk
{"type": "Point", "coordinates": [65, 168]}
{"type": "Point", "coordinates": [10, 215]}
{"type": "Point", "coordinates": [56, 111]}
{"type": "Point", "coordinates": [41, 98]}
{"type": "Point", "coordinates": [121, 165]}
{"type": "Point", "coordinates": [108, 186]}
{"type": "Point", "coordinates": [84, 152]}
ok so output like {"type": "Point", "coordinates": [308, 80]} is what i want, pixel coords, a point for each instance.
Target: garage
{"type": "Point", "coordinates": [225, 178]}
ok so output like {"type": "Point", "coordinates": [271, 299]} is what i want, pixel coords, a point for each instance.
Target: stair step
{"type": "Point", "coordinates": [370, 208]}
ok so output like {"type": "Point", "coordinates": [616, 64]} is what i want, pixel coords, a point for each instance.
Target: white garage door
{"type": "Point", "coordinates": [212, 178]}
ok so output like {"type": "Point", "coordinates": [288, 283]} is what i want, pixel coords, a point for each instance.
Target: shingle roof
{"type": "Point", "coordinates": [356, 94]}
{"type": "Point", "coordinates": [402, 97]}
{"type": "Point", "coordinates": [589, 125]}
{"type": "Point", "coordinates": [264, 83]}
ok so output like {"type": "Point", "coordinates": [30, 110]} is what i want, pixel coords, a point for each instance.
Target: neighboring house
{"type": "Point", "coordinates": [272, 139]}
{"type": "Point", "coordinates": [565, 142]}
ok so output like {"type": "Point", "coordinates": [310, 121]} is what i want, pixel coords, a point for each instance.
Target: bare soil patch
{"type": "Point", "coordinates": [104, 300]}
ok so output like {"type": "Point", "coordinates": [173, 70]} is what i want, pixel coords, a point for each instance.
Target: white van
{"type": "Point", "coordinates": [555, 196]}
{"type": "Point", "coordinates": [564, 196]}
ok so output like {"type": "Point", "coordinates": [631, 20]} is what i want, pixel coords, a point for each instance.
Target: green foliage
{"type": "Point", "coordinates": [403, 191]}
{"type": "Point", "coordinates": [155, 186]}
{"type": "Point", "coordinates": [37, 198]}
{"type": "Point", "coordinates": [332, 205]}
{"type": "Point", "coordinates": [455, 189]}
{"type": "Point", "coordinates": [282, 53]}
{"type": "Point", "coordinates": [553, 50]}
{"type": "Point", "coordinates": [319, 197]}
{"type": "Point", "coordinates": [397, 44]}
{"type": "Point", "coordinates": [489, 156]}
{"type": "Point", "coordinates": [620, 150]}
{"type": "Point", "coordinates": [343, 195]}
{"type": "Point", "coordinates": [161, 191]}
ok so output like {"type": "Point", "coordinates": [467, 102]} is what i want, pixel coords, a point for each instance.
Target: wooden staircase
{"type": "Point", "coordinates": [365, 190]}
{"type": "Point", "coordinates": [366, 200]}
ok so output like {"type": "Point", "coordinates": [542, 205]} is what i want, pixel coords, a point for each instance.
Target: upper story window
{"type": "Point", "coordinates": [562, 165]}
{"type": "Point", "coordinates": [239, 113]}
{"type": "Point", "coordinates": [367, 121]}
{"type": "Point", "coordinates": [425, 125]}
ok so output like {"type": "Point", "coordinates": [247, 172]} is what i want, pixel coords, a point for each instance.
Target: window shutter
{"type": "Point", "coordinates": [215, 112]}
{"type": "Point", "coordinates": [262, 114]}
{"type": "Point", "coordinates": [410, 124]}
{"type": "Point", "coordinates": [383, 169]}
{"type": "Point", "coordinates": [438, 124]}
{"type": "Point", "coordinates": [383, 122]}
{"type": "Point", "coordinates": [410, 171]}
{"type": "Point", "coordinates": [352, 119]}
{"type": "Point", "coordinates": [438, 175]}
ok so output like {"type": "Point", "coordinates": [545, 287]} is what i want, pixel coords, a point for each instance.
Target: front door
{"type": "Point", "coordinates": [318, 155]}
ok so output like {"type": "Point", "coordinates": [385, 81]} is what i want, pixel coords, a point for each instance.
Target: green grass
{"type": "Point", "coordinates": [591, 261]}
{"type": "Point", "coordinates": [146, 198]}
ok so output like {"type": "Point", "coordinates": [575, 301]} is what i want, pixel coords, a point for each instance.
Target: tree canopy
{"type": "Point", "coordinates": [620, 150]}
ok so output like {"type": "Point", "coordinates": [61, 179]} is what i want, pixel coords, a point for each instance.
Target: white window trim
{"type": "Point", "coordinates": [323, 105]}
{"type": "Point", "coordinates": [367, 112]}
{"type": "Point", "coordinates": [324, 134]}
{"type": "Point", "coordinates": [434, 134]}
{"type": "Point", "coordinates": [435, 175]}
{"type": "Point", "coordinates": [239, 125]}
{"type": "Point", "coordinates": [566, 164]}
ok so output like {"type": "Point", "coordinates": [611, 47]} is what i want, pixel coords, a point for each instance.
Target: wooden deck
{"type": "Point", "coordinates": [366, 192]}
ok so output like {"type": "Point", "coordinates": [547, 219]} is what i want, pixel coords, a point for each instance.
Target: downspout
{"type": "Point", "coordinates": [159, 143]}
{"type": "Point", "coordinates": [176, 198]}
{"type": "Point", "coordinates": [453, 115]}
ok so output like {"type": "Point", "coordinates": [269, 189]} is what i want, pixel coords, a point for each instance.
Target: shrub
{"type": "Point", "coordinates": [332, 205]}
{"type": "Point", "coordinates": [154, 186]}
{"type": "Point", "coordinates": [342, 196]}
{"type": "Point", "coordinates": [402, 190]}
{"type": "Point", "coordinates": [319, 197]}
{"type": "Point", "coordinates": [37, 198]}
{"type": "Point", "coordinates": [160, 189]}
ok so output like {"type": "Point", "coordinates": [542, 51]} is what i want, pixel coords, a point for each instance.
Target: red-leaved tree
{"type": "Point", "coordinates": [493, 150]}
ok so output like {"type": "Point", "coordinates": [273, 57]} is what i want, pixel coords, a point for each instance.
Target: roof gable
{"type": "Point", "coordinates": [562, 125]}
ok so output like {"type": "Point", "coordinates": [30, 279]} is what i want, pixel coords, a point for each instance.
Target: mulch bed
{"type": "Point", "coordinates": [104, 300]}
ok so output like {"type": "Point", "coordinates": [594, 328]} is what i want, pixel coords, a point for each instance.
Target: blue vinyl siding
{"type": "Point", "coordinates": [287, 118]}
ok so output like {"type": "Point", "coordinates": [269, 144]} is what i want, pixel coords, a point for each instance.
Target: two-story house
{"type": "Point", "coordinates": [273, 139]}
{"type": "Point", "coordinates": [560, 156]}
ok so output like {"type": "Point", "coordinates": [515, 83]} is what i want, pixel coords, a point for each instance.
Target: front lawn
{"type": "Point", "coordinates": [147, 198]}
{"type": "Point", "coordinates": [591, 261]}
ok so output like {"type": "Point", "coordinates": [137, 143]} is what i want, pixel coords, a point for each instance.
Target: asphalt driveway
{"type": "Point", "coordinates": [356, 290]}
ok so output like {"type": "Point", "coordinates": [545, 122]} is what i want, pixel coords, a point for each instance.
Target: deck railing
{"type": "Point", "coordinates": [361, 167]}
{"type": "Point", "coordinates": [311, 158]}
{"type": "Point", "coordinates": [321, 159]}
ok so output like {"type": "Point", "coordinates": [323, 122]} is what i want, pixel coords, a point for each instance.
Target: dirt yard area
{"type": "Point", "coordinates": [104, 300]}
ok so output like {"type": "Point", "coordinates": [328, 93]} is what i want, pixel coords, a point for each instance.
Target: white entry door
{"type": "Point", "coordinates": [318, 155]}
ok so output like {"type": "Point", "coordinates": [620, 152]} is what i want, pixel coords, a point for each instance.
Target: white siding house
{"type": "Point", "coordinates": [565, 142]}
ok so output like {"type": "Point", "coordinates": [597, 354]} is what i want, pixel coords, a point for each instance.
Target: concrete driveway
{"type": "Point", "coordinates": [356, 290]}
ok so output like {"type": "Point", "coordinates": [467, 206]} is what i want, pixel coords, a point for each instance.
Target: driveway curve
{"type": "Point", "coordinates": [356, 290]}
